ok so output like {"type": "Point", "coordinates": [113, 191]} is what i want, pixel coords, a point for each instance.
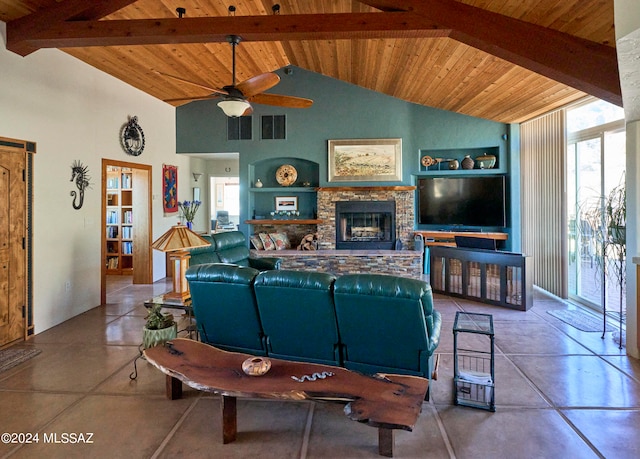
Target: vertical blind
{"type": "Point", "coordinates": [544, 222]}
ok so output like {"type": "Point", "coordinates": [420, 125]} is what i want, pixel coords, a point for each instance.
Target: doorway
{"type": "Point", "coordinates": [225, 203]}
{"type": "Point", "coordinates": [126, 222]}
{"type": "Point", "coordinates": [16, 211]}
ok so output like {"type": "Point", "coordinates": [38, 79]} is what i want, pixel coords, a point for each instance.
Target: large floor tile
{"type": "Point", "coordinates": [71, 368]}
{"type": "Point", "coordinates": [511, 433]}
{"type": "Point", "coordinates": [28, 412]}
{"type": "Point", "coordinates": [580, 381]}
{"type": "Point", "coordinates": [613, 432]}
{"type": "Point", "coordinates": [122, 427]}
{"type": "Point", "coordinates": [266, 429]}
{"type": "Point", "coordinates": [535, 338]}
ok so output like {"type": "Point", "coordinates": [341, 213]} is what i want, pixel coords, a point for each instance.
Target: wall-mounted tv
{"type": "Point", "coordinates": [462, 201]}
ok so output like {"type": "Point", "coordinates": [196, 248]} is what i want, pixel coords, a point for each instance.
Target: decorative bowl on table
{"type": "Point", "coordinates": [256, 366]}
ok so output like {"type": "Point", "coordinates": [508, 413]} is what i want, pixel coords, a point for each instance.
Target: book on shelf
{"type": "Point", "coordinates": [112, 263]}
{"type": "Point", "coordinates": [127, 248]}
{"type": "Point", "coordinates": [126, 232]}
{"type": "Point", "coordinates": [112, 232]}
{"type": "Point", "coordinates": [127, 216]}
{"type": "Point", "coordinates": [126, 181]}
{"type": "Point", "coordinates": [112, 217]}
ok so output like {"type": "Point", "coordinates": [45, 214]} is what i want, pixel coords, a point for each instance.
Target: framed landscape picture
{"type": "Point", "coordinates": [365, 160]}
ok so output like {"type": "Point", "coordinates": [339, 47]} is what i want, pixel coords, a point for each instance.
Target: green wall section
{"type": "Point", "coordinates": [340, 111]}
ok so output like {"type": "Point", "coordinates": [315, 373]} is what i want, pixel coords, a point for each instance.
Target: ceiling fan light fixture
{"type": "Point", "coordinates": [234, 107]}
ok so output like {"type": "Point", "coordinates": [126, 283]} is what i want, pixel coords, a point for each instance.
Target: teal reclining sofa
{"type": "Point", "coordinates": [230, 247]}
{"type": "Point", "coordinates": [370, 323]}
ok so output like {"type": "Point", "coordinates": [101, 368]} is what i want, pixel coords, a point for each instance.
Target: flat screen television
{"type": "Point", "coordinates": [462, 201]}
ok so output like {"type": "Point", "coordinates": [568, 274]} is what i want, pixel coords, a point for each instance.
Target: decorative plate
{"type": "Point", "coordinates": [427, 161]}
{"type": "Point", "coordinates": [286, 175]}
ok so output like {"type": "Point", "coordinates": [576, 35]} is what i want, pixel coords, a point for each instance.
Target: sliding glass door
{"type": "Point", "coordinates": [595, 166]}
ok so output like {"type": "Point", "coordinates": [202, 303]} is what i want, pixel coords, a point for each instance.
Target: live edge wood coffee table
{"type": "Point", "coordinates": [387, 402]}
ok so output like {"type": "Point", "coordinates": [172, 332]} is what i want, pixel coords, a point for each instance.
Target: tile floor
{"type": "Point", "coordinates": [560, 393]}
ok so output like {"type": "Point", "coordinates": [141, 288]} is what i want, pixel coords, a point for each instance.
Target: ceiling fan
{"type": "Point", "coordinates": [237, 98]}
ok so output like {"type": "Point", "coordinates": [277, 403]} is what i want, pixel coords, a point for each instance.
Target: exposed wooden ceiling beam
{"type": "Point", "coordinates": [216, 29]}
{"type": "Point", "coordinates": [67, 10]}
{"type": "Point", "coordinates": [585, 65]}
{"type": "Point", "coordinates": [588, 66]}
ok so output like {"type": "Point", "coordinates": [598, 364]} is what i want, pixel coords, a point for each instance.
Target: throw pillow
{"type": "Point", "coordinates": [256, 242]}
{"type": "Point", "coordinates": [267, 242]}
{"type": "Point", "coordinates": [281, 240]}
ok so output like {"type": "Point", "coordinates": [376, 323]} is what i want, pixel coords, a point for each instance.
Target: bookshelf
{"type": "Point", "coordinates": [119, 220]}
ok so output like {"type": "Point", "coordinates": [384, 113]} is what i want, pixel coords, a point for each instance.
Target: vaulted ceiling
{"type": "Point", "coordinates": [503, 60]}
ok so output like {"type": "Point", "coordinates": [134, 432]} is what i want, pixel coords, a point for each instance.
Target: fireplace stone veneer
{"type": "Point", "coordinates": [403, 196]}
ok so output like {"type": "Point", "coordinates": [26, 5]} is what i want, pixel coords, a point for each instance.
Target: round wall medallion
{"type": "Point", "coordinates": [286, 175]}
{"type": "Point", "coordinates": [132, 137]}
{"type": "Point", "coordinates": [427, 161]}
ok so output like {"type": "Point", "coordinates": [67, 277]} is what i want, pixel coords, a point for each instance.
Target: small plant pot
{"type": "Point", "coordinates": [151, 338]}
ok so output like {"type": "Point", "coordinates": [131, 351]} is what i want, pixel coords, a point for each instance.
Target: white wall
{"type": "Point", "coordinates": [74, 112]}
{"type": "Point", "coordinates": [627, 22]}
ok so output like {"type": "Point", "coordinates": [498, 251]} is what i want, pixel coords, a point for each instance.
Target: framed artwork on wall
{"type": "Point", "coordinates": [286, 203]}
{"type": "Point", "coordinates": [169, 189]}
{"type": "Point", "coordinates": [365, 160]}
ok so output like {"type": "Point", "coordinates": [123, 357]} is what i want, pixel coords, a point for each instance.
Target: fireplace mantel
{"type": "Point", "coordinates": [336, 189]}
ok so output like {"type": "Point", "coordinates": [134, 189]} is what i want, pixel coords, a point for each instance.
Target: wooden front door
{"type": "Point", "coordinates": [13, 240]}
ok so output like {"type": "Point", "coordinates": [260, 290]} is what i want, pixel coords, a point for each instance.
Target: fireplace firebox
{"type": "Point", "coordinates": [365, 225]}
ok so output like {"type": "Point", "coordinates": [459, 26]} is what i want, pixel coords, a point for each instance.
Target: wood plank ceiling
{"type": "Point", "coordinates": [442, 70]}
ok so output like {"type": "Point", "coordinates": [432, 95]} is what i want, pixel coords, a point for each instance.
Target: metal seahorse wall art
{"type": "Point", "coordinates": [80, 174]}
{"type": "Point", "coordinates": [313, 377]}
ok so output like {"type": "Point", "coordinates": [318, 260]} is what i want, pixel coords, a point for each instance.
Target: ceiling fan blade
{"type": "Point", "coordinates": [281, 101]}
{"type": "Point", "coordinates": [185, 99]}
{"type": "Point", "coordinates": [257, 84]}
{"type": "Point", "coordinates": [208, 88]}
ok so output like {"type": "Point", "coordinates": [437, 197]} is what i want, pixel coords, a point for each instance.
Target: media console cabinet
{"type": "Point", "coordinates": [447, 238]}
{"type": "Point", "coordinates": [488, 276]}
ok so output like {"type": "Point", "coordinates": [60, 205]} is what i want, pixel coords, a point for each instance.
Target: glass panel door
{"type": "Point", "coordinates": [584, 191]}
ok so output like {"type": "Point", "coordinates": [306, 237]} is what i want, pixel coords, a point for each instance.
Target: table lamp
{"type": "Point", "coordinates": [177, 240]}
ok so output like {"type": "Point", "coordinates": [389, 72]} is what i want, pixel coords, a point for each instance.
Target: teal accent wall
{"type": "Point", "coordinates": [340, 111]}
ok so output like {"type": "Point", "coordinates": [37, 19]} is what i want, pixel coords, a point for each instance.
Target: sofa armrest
{"type": "Point", "coordinates": [434, 325]}
{"type": "Point", "coordinates": [265, 263]}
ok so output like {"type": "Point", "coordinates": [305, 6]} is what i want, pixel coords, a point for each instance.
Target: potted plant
{"type": "Point", "coordinates": [159, 328]}
{"type": "Point", "coordinates": [608, 219]}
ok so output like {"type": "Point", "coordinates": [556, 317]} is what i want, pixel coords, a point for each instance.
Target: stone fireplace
{"type": "Point", "coordinates": [367, 206]}
{"type": "Point", "coordinates": [365, 225]}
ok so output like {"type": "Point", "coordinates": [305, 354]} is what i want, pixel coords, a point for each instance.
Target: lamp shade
{"type": "Point", "coordinates": [179, 237]}
{"type": "Point", "coordinates": [234, 107]}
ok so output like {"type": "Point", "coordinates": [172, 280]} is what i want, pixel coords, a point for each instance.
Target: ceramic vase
{"type": "Point", "coordinates": [256, 366]}
{"type": "Point", "coordinates": [467, 162]}
{"type": "Point", "coordinates": [486, 161]}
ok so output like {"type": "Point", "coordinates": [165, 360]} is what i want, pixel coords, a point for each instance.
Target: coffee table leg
{"type": "Point", "coordinates": [173, 387]}
{"type": "Point", "coordinates": [229, 419]}
{"type": "Point", "coordinates": [385, 442]}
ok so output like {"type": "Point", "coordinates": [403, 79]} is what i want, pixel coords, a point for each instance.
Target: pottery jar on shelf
{"type": "Point", "coordinates": [486, 161]}
{"type": "Point", "coordinates": [467, 162]}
